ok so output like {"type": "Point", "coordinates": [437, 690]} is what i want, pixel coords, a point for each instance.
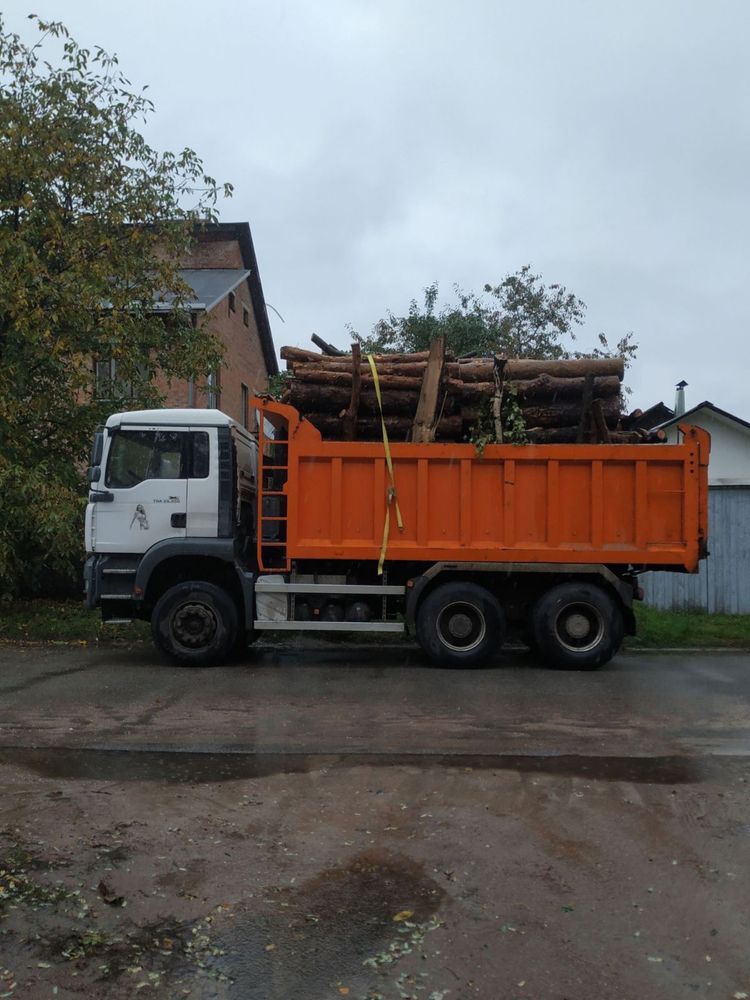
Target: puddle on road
{"type": "Point", "coordinates": [302, 941]}
{"type": "Point", "coordinates": [177, 767]}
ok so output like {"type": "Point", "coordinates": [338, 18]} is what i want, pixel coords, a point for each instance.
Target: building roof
{"type": "Point", "coordinates": [654, 416]}
{"type": "Point", "coordinates": [706, 405]}
{"type": "Point", "coordinates": [211, 284]}
{"type": "Point", "coordinates": [240, 231]}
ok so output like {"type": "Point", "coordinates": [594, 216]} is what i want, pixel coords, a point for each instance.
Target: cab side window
{"type": "Point", "coordinates": [199, 465]}
{"type": "Point", "coordinates": [136, 456]}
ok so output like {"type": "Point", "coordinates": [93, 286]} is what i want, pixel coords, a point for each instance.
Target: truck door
{"type": "Point", "coordinates": [142, 498]}
{"type": "Point", "coordinates": [203, 471]}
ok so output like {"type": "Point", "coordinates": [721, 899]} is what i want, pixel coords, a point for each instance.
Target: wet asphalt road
{"type": "Point", "coordinates": [373, 700]}
{"type": "Point", "coordinates": [327, 822]}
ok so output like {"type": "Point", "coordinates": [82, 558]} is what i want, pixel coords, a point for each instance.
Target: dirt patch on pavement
{"type": "Point", "coordinates": [417, 880]}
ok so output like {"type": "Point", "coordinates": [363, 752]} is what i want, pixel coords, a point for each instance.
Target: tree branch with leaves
{"type": "Point", "coordinates": [93, 225]}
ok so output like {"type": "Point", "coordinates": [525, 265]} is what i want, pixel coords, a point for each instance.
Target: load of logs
{"type": "Point", "coordinates": [432, 396]}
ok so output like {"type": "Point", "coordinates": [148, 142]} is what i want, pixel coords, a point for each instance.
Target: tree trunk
{"type": "Point", "coordinates": [349, 425]}
{"type": "Point", "coordinates": [545, 387]}
{"type": "Point", "coordinates": [310, 398]}
{"type": "Point", "coordinates": [564, 414]}
{"type": "Point", "coordinates": [523, 369]}
{"type": "Point", "coordinates": [427, 407]}
{"type": "Point", "coordinates": [368, 429]}
{"type": "Point", "coordinates": [322, 376]}
{"type": "Point", "coordinates": [569, 435]}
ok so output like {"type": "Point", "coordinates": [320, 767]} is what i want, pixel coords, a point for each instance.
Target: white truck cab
{"type": "Point", "coordinates": [165, 485]}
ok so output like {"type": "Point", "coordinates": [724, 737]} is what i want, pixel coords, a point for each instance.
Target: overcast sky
{"type": "Point", "coordinates": [378, 146]}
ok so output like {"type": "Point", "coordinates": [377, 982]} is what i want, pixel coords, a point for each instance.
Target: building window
{"type": "Point", "coordinates": [246, 316]}
{"type": "Point", "coordinates": [245, 406]}
{"type": "Point", "coordinates": [213, 390]}
{"type": "Point", "coordinates": [232, 302]}
{"type": "Point", "coordinates": [109, 383]}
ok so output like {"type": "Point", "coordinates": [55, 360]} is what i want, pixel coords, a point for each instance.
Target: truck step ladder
{"type": "Point", "coordinates": [273, 472]}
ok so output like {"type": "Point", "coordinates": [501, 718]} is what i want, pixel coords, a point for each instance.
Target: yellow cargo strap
{"type": "Point", "coordinates": [392, 496]}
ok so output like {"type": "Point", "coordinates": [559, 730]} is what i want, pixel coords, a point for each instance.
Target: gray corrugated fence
{"type": "Point", "coordinates": [723, 583]}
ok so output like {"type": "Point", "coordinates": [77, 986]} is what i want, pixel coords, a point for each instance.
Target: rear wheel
{"type": "Point", "coordinates": [460, 624]}
{"type": "Point", "coordinates": [577, 626]}
{"type": "Point", "coordinates": [195, 624]}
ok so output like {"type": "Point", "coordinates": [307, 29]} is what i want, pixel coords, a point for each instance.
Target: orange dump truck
{"type": "Point", "coordinates": [291, 532]}
{"type": "Point", "coordinates": [547, 540]}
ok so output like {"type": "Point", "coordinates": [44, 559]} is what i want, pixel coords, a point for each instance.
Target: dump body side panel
{"type": "Point", "coordinates": [609, 504]}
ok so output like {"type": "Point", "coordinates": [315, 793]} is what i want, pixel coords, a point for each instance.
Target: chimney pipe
{"type": "Point", "coordinates": [679, 398]}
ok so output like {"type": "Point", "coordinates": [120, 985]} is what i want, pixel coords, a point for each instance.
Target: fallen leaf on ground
{"type": "Point", "coordinates": [403, 915]}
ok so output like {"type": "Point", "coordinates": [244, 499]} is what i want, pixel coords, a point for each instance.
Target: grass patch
{"type": "Point", "coordinates": [61, 621]}
{"type": "Point", "coordinates": [70, 622]}
{"type": "Point", "coordinates": [696, 629]}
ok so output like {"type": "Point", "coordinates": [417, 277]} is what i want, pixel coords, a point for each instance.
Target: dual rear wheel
{"type": "Point", "coordinates": [574, 625]}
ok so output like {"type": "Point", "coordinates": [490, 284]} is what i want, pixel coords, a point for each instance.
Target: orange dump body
{"type": "Point", "coordinates": [643, 505]}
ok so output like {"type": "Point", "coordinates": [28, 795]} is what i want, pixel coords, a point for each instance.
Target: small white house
{"type": "Point", "coordinates": [730, 442]}
{"type": "Point", "coordinates": [723, 583]}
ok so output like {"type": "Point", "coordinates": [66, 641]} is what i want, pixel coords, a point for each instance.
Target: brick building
{"type": "Point", "coordinates": [222, 271]}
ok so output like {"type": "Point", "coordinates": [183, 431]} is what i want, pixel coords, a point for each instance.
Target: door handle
{"type": "Point", "coordinates": [178, 520]}
{"type": "Point", "coordinates": [101, 496]}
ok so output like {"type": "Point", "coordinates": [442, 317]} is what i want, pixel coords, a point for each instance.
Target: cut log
{"type": "Point", "coordinates": [549, 387]}
{"type": "Point", "coordinates": [408, 369]}
{"type": "Point", "coordinates": [448, 428]}
{"type": "Point", "coordinates": [349, 423]}
{"type": "Point", "coordinates": [522, 369]}
{"type": "Point", "coordinates": [322, 376]}
{"type": "Point", "coordinates": [477, 371]}
{"type": "Point", "coordinates": [600, 425]}
{"type": "Point", "coordinates": [565, 414]}
{"type": "Point", "coordinates": [310, 398]}
{"type": "Point", "coordinates": [569, 435]}
{"type": "Point", "coordinates": [295, 354]}
{"type": "Point", "coordinates": [585, 423]}
{"type": "Point", "coordinates": [470, 390]}
{"type": "Point", "coordinates": [302, 354]}
{"type": "Point", "coordinates": [325, 347]}
{"type": "Point", "coordinates": [425, 419]}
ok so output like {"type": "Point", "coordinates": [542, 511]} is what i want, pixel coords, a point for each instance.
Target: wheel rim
{"type": "Point", "coordinates": [579, 627]}
{"type": "Point", "coordinates": [194, 625]}
{"type": "Point", "coordinates": [461, 626]}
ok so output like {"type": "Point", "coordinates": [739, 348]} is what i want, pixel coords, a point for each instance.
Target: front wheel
{"type": "Point", "coordinates": [577, 626]}
{"type": "Point", "coordinates": [195, 624]}
{"type": "Point", "coordinates": [460, 624]}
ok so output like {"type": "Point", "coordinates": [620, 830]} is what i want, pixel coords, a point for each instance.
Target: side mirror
{"type": "Point", "coordinates": [94, 474]}
{"type": "Point", "coordinates": [96, 451]}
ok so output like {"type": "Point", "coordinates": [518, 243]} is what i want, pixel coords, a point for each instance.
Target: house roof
{"type": "Point", "coordinates": [707, 405]}
{"type": "Point", "coordinates": [240, 231]}
{"type": "Point", "coordinates": [654, 416]}
{"type": "Point", "coordinates": [211, 284]}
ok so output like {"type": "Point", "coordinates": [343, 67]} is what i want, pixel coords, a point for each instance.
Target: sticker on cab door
{"type": "Point", "coordinates": [141, 517]}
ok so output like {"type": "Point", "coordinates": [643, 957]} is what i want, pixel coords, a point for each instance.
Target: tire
{"type": "Point", "coordinates": [195, 624]}
{"type": "Point", "coordinates": [460, 624]}
{"type": "Point", "coordinates": [577, 626]}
